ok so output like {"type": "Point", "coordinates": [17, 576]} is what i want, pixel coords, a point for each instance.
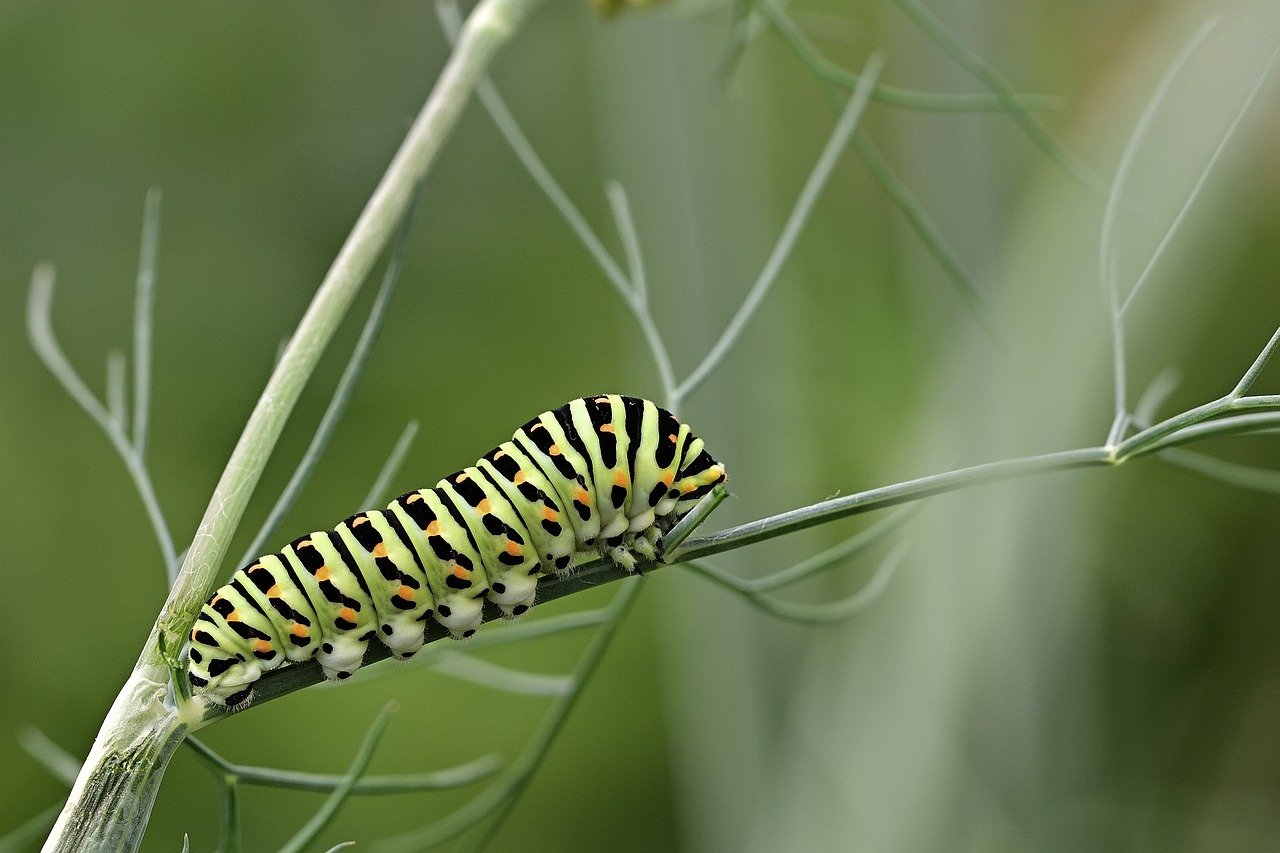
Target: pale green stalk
{"type": "Point", "coordinates": [112, 799]}
{"type": "Point", "coordinates": [844, 128]}
{"type": "Point", "coordinates": [399, 783]}
{"type": "Point", "coordinates": [143, 302]}
{"type": "Point", "coordinates": [45, 343]}
{"type": "Point", "coordinates": [1110, 219]}
{"type": "Point", "coordinates": [312, 829]}
{"type": "Point", "coordinates": [61, 764]}
{"type": "Point", "coordinates": [378, 491]}
{"type": "Point", "coordinates": [341, 393]}
{"type": "Point", "coordinates": [485, 674]}
{"type": "Point", "coordinates": [827, 70]}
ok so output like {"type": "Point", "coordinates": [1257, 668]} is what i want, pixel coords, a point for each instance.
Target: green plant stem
{"type": "Point", "coordinates": [827, 70]}
{"type": "Point", "coordinates": [886, 496]}
{"type": "Point", "coordinates": [128, 758]}
{"type": "Point", "coordinates": [493, 803]}
{"type": "Point", "coordinates": [334, 801]}
{"type": "Point", "coordinates": [400, 783]}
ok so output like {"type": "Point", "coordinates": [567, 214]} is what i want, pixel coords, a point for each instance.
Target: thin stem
{"type": "Point", "coordinates": [115, 387]}
{"type": "Point", "coordinates": [29, 832]}
{"type": "Point", "coordinates": [1251, 375]}
{"type": "Point", "coordinates": [486, 674]}
{"type": "Point", "coordinates": [694, 518]}
{"type": "Point", "coordinates": [1157, 393]}
{"type": "Point", "coordinates": [786, 241]}
{"type": "Point", "coordinates": [827, 70]}
{"type": "Point", "coordinates": [342, 391]}
{"type": "Point", "coordinates": [976, 66]}
{"type": "Point", "coordinates": [1106, 254]}
{"type": "Point", "coordinates": [1201, 179]}
{"type": "Point", "coordinates": [809, 614]}
{"type": "Point", "coordinates": [326, 812]}
{"type": "Point", "coordinates": [910, 207]}
{"type": "Point", "coordinates": [491, 24]}
{"type": "Point", "coordinates": [378, 491]}
{"type": "Point", "coordinates": [45, 343]}
{"type": "Point", "coordinates": [885, 496]}
{"type": "Point", "coordinates": [833, 556]}
{"type": "Point", "coordinates": [270, 777]}
{"type": "Point", "coordinates": [61, 764]}
{"type": "Point", "coordinates": [1231, 473]}
{"type": "Point", "coordinates": [143, 302]}
{"type": "Point", "coordinates": [495, 801]}
{"type": "Point", "coordinates": [639, 300]}
{"type": "Point", "coordinates": [1119, 379]}
{"type": "Point", "coordinates": [230, 832]}
{"type": "Point", "coordinates": [447, 12]}
{"type": "Point", "coordinates": [626, 226]}
{"type": "Point", "coordinates": [1191, 423]}
{"type": "Point", "coordinates": [633, 288]}
{"type": "Point", "coordinates": [1256, 422]}
{"type": "Point", "coordinates": [139, 723]}
{"type": "Point", "coordinates": [592, 574]}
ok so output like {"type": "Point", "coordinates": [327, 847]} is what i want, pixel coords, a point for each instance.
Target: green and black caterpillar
{"type": "Point", "coordinates": [599, 476]}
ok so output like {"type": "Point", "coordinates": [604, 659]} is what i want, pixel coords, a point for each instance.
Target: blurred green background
{"type": "Point", "coordinates": [1086, 660]}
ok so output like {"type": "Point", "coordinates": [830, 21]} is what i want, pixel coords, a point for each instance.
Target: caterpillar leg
{"type": "Point", "coordinates": [623, 556]}
{"type": "Point", "coordinates": [340, 655]}
{"type": "Point", "coordinates": [459, 615]}
{"type": "Point", "coordinates": [646, 544]}
{"type": "Point", "coordinates": [514, 591]}
{"type": "Point", "coordinates": [403, 635]}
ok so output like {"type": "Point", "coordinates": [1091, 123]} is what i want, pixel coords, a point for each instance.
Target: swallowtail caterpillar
{"type": "Point", "coordinates": [599, 476]}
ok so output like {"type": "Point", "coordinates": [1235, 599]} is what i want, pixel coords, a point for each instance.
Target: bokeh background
{"type": "Point", "coordinates": [1084, 660]}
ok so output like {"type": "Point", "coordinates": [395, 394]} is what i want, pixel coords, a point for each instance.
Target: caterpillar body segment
{"type": "Point", "coordinates": [600, 476]}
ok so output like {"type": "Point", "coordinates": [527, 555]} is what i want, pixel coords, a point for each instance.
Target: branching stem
{"type": "Point", "coordinates": [139, 734]}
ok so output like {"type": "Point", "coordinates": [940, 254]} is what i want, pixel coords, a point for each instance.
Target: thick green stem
{"type": "Point", "coordinates": [112, 798]}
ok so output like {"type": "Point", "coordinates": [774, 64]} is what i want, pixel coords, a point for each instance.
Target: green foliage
{"type": "Point", "coordinates": [462, 346]}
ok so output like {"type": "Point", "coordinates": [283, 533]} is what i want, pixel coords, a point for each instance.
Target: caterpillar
{"type": "Point", "coordinates": [599, 476]}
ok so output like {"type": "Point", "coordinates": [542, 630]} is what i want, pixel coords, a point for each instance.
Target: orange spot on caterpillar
{"type": "Point", "coordinates": [413, 498]}
{"type": "Point", "coordinates": [461, 573]}
{"type": "Point", "coordinates": [380, 550]}
{"type": "Point", "coordinates": [274, 592]}
{"type": "Point", "coordinates": [216, 599]}
{"type": "Point", "coordinates": [322, 573]}
{"type": "Point", "coordinates": [499, 454]}
{"type": "Point", "coordinates": [347, 614]}
{"type": "Point", "coordinates": [620, 478]}
{"type": "Point", "coordinates": [433, 529]}
{"type": "Point", "coordinates": [233, 616]}
{"type": "Point", "coordinates": [671, 437]}
{"type": "Point", "coordinates": [513, 549]}
{"type": "Point", "coordinates": [461, 478]}
{"type": "Point", "coordinates": [550, 514]}
{"type": "Point", "coordinates": [305, 543]}
{"type": "Point", "coordinates": [607, 428]}
{"type": "Point", "coordinates": [257, 567]}
{"type": "Point", "coordinates": [520, 477]}
{"type": "Point", "coordinates": [261, 646]}
{"type": "Point", "coordinates": [668, 478]}
{"type": "Point", "coordinates": [299, 630]}
{"type": "Point", "coordinates": [484, 507]}
{"type": "Point", "coordinates": [364, 519]}
{"type": "Point", "coordinates": [582, 497]}
{"type": "Point", "coordinates": [405, 592]}
{"type": "Point", "coordinates": [554, 450]}
{"type": "Point", "coordinates": [600, 399]}
{"type": "Point", "coordinates": [688, 487]}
